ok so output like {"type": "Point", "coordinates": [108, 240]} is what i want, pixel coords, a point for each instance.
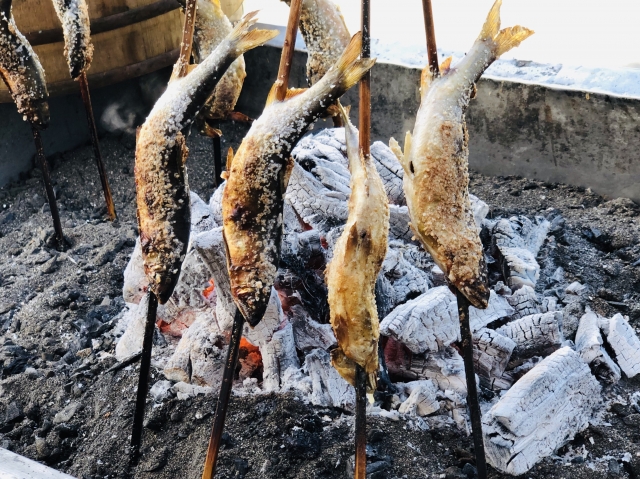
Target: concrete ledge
{"type": "Point", "coordinates": [13, 466]}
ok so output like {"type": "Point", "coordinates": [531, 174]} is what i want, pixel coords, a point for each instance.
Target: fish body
{"type": "Point", "coordinates": [435, 161]}
{"type": "Point", "coordinates": [211, 28]}
{"type": "Point", "coordinates": [325, 35]}
{"type": "Point", "coordinates": [258, 174]}
{"type": "Point", "coordinates": [357, 258]}
{"type": "Point", "coordinates": [162, 189]}
{"type": "Point", "coordinates": [74, 16]}
{"type": "Point", "coordinates": [21, 70]}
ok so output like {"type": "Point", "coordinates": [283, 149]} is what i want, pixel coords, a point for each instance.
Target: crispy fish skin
{"type": "Point", "coordinates": [21, 70]}
{"type": "Point", "coordinates": [74, 16]}
{"type": "Point", "coordinates": [357, 259]}
{"type": "Point", "coordinates": [211, 28]}
{"type": "Point", "coordinates": [162, 190]}
{"type": "Point", "coordinates": [253, 198]}
{"type": "Point", "coordinates": [325, 35]}
{"type": "Point", "coordinates": [435, 162]}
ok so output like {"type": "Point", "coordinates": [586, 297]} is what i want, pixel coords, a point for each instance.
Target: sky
{"type": "Point", "coordinates": [572, 32]}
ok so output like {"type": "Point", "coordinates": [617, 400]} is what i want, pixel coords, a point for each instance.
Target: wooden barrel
{"type": "Point", "coordinates": [130, 38]}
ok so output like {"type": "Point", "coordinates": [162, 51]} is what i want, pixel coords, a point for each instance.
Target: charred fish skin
{"type": "Point", "coordinates": [435, 162]}
{"type": "Point", "coordinates": [252, 202]}
{"type": "Point", "coordinates": [325, 35]}
{"type": "Point", "coordinates": [357, 259]}
{"type": "Point", "coordinates": [74, 16]}
{"type": "Point", "coordinates": [21, 70]}
{"type": "Point", "coordinates": [162, 191]}
{"type": "Point", "coordinates": [211, 28]}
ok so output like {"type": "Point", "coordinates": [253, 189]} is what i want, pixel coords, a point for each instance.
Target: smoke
{"type": "Point", "coordinates": [119, 118]}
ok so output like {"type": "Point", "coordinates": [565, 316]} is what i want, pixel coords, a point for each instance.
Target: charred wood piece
{"type": "Point", "coordinates": [422, 400]}
{"type": "Point", "coordinates": [589, 345]}
{"type": "Point", "coordinates": [491, 355]}
{"type": "Point", "coordinates": [524, 301]}
{"type": "Point", "coordinates": [534, 335]}
{"type": "Point", "coordinates": [329, 388]}
{"type": "Point", "coordinates": [624, 342]}
{"type": "Point", "coordinates": [307, 332]}
{"type": "Point", "coordinates": [541, 412]}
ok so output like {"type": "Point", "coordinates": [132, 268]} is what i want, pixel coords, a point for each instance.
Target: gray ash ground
{"type": "Point", "coordinates": [58, 404]}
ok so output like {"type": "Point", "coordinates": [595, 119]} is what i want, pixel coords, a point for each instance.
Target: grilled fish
{"type": "Point", "coordinates": [161, 179]}
{"type": "Point", "coordinates": [358, 255]}
{"type": "Point", "coordinates": [74, 16]}
{"type": "Point", "coordinates": [435, 162]}
{"type": "Point", "coordinates": [211, 28]}
{"type": "Point", "coordinates": [325, 35]}
{"type": "Point", "coordinates": [21, 70]}
{"type": "Point", "coordinates": [252, 202]}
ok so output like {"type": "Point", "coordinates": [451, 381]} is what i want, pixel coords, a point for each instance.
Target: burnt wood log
{"type": "Point", "coordinates": [589, 345]}
{"type": "Point", "coordinates": [524, 301]}
{"type": "Point", "coordinates": [541, 412]}
{"type": "Point", "coordinates": [329, 388]}
{"type": "Point", "coordinates": [535, 335]}
{"type": "Point", "coordinates": [491, 355]}
{"type": "Point", "coordinates": [624, 343]}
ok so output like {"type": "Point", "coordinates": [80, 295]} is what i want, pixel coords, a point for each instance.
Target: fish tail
{"type": "Point", "coordinates": [502, 40]}
{"type": "Point", "coordinates": [348, 70]}
{"type": "Point", "coordinates": [243, 39]}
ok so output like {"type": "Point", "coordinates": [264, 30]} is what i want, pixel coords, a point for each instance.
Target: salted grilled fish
{"type": "Point", "coordinates": [21, 70]}
{"type": "Point", "coordinates": [253, 198]}
{"type": "Point", "coordinates": [74, 16]}
{"type": "Point", "coordinates": [211, 28]}
{"type": "Point", "coordinates": [325, 35]}
{"type": "Point", "coordinates": [161, 179]}
{"type": "Point", "coordinates": [435, 162]}
{"type": "Point", "coordinates": [357, 259]}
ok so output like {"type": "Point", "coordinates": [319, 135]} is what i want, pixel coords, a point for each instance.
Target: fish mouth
{"type": "Point", "coordinates": [253, 310]}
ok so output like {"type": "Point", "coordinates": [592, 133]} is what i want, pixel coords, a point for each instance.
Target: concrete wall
{"type": "Point", "coordinates": [515, 129]}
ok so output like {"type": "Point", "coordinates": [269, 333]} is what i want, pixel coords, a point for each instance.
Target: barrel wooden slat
{"type": "Point", "coordinates": [130, 50]}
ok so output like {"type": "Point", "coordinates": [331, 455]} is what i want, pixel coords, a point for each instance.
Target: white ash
{"type": "Point", "coordinates": [534, 335]}
{"type": "Point", "coordinates": [624, 342]}
{"type": "Point", "coordinates": [589, 344]}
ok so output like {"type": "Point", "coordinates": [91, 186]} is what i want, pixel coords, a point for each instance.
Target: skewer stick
{"type": "Point", "coordinates": [223, 398]}
{"type": "Point", "coordinates": [143, 380]}
{"type": "Point", "coordinates": [472, 392]}
{"type": "Point", "coordinates": [365, 141]}
{"type": "Point", "coordinates": [86, 99]}
{"type": "Point", "coordinates": [288, 49]}
{"type": "Point", "coordinates": [432, 49]}
{"type": "Point", "coordinates": [187, 38]}
{"type": "Point", "coordinates": [51, 198]}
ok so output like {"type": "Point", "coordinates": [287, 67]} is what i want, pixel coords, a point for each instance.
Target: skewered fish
{"type": "Point", "coordinates": [161, 178]}
{"type": "Point", "coordinates": [325, 35]}
{"type": "Point", "coordinates": [435, 162]}
{"type": "Point", "coordinates": [211, 28]}
{"type": "Point", "coordinates": [357, 259]}
{"type": "Point", "coordinates": [74, 16]}
{"type": "Point", "coordinates": [258, 175]}
{"type": "Point", "coordinates": [21, 70]}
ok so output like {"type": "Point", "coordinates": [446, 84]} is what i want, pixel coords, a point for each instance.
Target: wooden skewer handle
{"type": "Point", "coordinates": [286, 58]}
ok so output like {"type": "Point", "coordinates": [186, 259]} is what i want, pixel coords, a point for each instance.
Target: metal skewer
{"type": "Point", "coordinates": [463, 302]}
{"type": "Point", "coordinates": [51, 198]}
{"type": "Point", "coordinates": [86, 99]}
{"type": "Point", "coordinates": [223, 398]}
{"type": "Point", "coordinates": [472, 392]}
{"type": "Point", "coordinates": [360, 471]}
{"type": "Point", "coordinates": [143, 379]}
{"type": "Point", "coordinates": [238, 323]}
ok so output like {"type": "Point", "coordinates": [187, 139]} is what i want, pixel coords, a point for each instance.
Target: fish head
{"type": "Point", "coordinates": [476, 289]}
{"type": "Point", "coordinates": [38, 114]}
{"type": "Point", "coordinates": [252, 302]}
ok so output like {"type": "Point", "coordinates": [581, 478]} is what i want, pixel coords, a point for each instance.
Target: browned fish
{"type": "Point", "coordinates": [74, 16]}
{"type": "Point", "coordinates": [357, 259]}
{"type": "Point", "coordinates": [435, 162]}
{"type": "Point", "coordinates": [257, 179]}
{"type": "Point", "coordinates": [21, 70]}
{"type": "Point", "coordinates": [161, 179]}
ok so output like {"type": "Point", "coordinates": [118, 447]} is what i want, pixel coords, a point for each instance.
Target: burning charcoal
{"type": "Point", "coordinates": [407, 280]}
{"type": "Point", "coordinates": [480, 209]}
{"type": "Point", "coordinates": [534, 335]}
{"type": "Point", "coordinates": [308, 333]}
{"type": "Point", "coordinates": [524, 301]}
{"type": "Point", "coordinates": [541, 412]}
{"type": "Point", "coordinates": [589, 345]}
{"type": "Point", "coordinates": [491, 355]}
{"type": "Point", "coordinates": [515, 244]}
{"type": "Point", "coordinates": [422, 399]}
{"type": "Point", "coordinates": [329, 388]}
{"type": "Point", "coordinates": [134, 320]}
{"type": "Point", "coordinates": [199, 356]}
{"type": "Point", "coordinates": [624, 343]}
{"type": "Point", "coordinates": [431, 320]}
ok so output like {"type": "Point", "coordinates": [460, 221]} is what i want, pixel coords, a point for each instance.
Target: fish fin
{"type": "Point", "coordinates": [492, 23]}
{"type": "Point", "coordinates": [210, 131]}
{"type": "Point", "coordinates": [445, 66]}
{"type": "Point", "coordinates": [510, 38]}
{"type": "Point", "coordinates": [291, 92]}
{"type": "Point", "coordinates": [425, 80]}
{"type": "Point", "coordinates": [271, 97]}
{"type": "Point", "coordinates": [229, 158]}
{"type": "Point", "coordinates": [288, 168]}
{"type": "Point", "coordinates": [395, 148]}
{"type": "Point", "coordinates": [243, 39]}
{"type": "Point", "coordinates": [191, 67]}
{"type": "Point", "coordinates": [402, 157]}
{"type": "Point", "coordinates": [349, 69]}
